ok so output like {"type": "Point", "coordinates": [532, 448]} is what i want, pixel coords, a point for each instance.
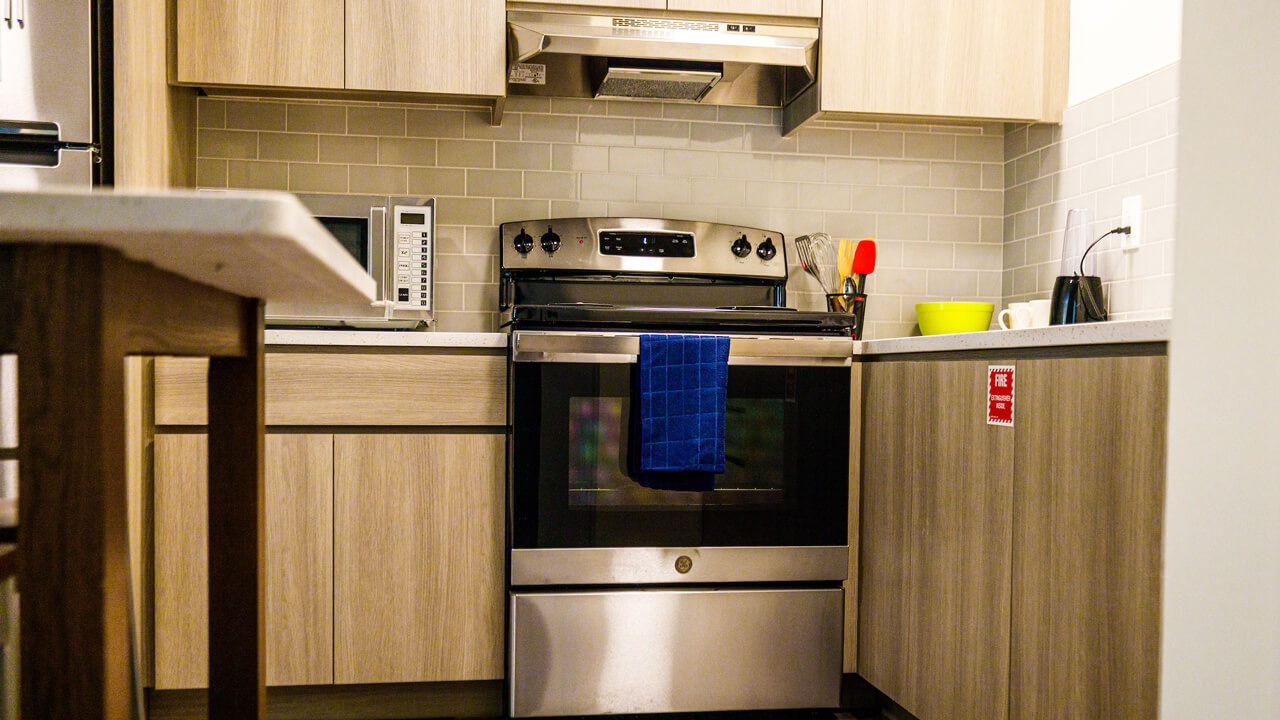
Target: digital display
{"type": "Point", "coordinates": [413, 219]}
{"type": "Point", "coordinates": [641, 243]}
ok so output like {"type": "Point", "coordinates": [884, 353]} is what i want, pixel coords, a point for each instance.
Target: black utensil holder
{"type": "Point", "coordinates": [854, 304]}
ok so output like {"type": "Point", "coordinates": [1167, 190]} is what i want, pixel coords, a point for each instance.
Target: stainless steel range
{"type": "Point", "coordinates": [628, 596]}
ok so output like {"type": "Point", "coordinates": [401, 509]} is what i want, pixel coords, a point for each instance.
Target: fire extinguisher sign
{"type": "Point", "coordinates": [1000, 395]}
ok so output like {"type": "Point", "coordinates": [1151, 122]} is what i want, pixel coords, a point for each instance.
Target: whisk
{"type": "Point", "coordinates": [818, 258]}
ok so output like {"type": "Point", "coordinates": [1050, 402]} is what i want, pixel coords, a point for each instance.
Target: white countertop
{"type": "Point", "coordinates": [251, 244]}
{"type": "Point", "coordinates": [1105, 333]}
{"type": "Point", "coordinates": [386, 338]}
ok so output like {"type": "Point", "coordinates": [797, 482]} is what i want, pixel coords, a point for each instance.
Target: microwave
{"type": "Point", "coordinates": [394, 239]}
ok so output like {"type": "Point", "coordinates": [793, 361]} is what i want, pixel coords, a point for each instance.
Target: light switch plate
{"type": "Point", "coordinates": [1131, 215]}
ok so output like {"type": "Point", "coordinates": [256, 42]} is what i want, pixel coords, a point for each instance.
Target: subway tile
{"type": "Point", "coordinates": [662, 133]}
{"type": "Point", "coordinates": [824, 142]}
{"type": "Point", "coordinates": [930, 200]}
{"type": "Point", "coordinates": [1113, 138]}
{"type": "Point", "coordinates": [719, 192]}
{"type": "Point", "coordinates": [955, 175]}
{"type": "Point", "coordinates": [900, 281]}
{"type": "Point", "coordinates": [1149, 125]}
{"type": "Point", "coordinates": [315, 118]}
{"type": "Point", "coordinates": [449, 296]}
{"type": "Point", "coordinates": [951, 229]}
{"type": "Point", "coordinates": [799, 167]}
{"type": "Point", "coordinates": [250, 115]}
{"type": "Point", "coordinates": [378, 180]}
{"type": "Point", "coordinates": [1041, 135]}
{"type": "Point", "coordinates": [715, 136]}
{"type": "Point", "coordinates": [853, 171]}
{"type": "Point", "coordinates": [466, 322]}
{"type": "Point", "coordinates": [978, 256]}
{"type": "Point", "coordinates": [904, 172]}
{"type": "Point", "coordinates": [481, 296]}
{"type": "Point", "coordinates": [211, 173]}
{"type": "Point", "coordinates": [980, 148]}
{"type": "Point", "coordinates": [635, 108]}
{"type": "Point", "coordinates": [663, 189]}
{"type": "Point", "coordinates": [750, 166]}
{"type": "Point", "coordinates": [1026, 224]}
{"type": "Point", "coordinates": [993, 176]}
{"type": "Point", "coordinates": [451, 239]}
{"type": "Point", "coordinates": [748, 115]}
{"type": "Point", "coordinates": [434, 123]}
{"type": "Point", "coordinates": [1024, 280]}
{"type": "Point", "coordinates": [928, 255]}
{"type": "Point", "coordinates": [1015, 141]}
{"type": "Point", "coordinates": [877, 144]}
{"type": "Point", "coordinates": [578, 208]}
{"type": "Point", "coordinates": [406, 151]}
{"type": "Point", "coordinates": [550, 185]}
{"type": "Point", "coordinates": [550, 128]}
{"type": "Point", "coordinates": [580, 157]}
{"type": "Point", "coordinates": [1162, 85]}
{"type": "Point", "coordinates": [575, 106]}
{"type": "Point", "coordinates": [309, 177]}
{"type": "Point", "coordinates": [476, 126]}
{"type": "Point", "coordinates": [513, 210]}
{"type": "Point", "coordinates": [686, 111]}
{"type": "Point", "coordinates": [989, 282]}
{"type": "Point", "coordinates": [528, 104]}
{"type": "Point", "coordinates": [465, 211]}
{"type": "Point", "coordinates": [369, 120]}
{"type": "Point", "coordinates": [465, 153]}
{"type": "Point", "coordinates": [495, 183]}
{"type": "Point", "coordinates": [1051, 159]}
{"type": "Point", "coordinates": [689, 163]}
{"type": "Point", "coordinates": [953, 283]}
{"type": "Point", "coordinates": [992, 230]}
{"type": "Point", "coordinates": [1162, 155]}
{"type": "Point", "coordinates": [482, 240]}
{"type": "Point", "coordinates": [1026, 168]}
{"type": "Point", "coordinates": [287, 146]}
{"type": "Point", "coordinates": [814, 196]}
{"type": "Point", "coordinates": [231, 144]}
{"type": "Point", "coordinates": [464, 269]}
{"type": "Point", "coordinates": [1098, 111]}
{"type": "Point", "coordinates": [1097, 174]}
{"type": "Point", "coordinates": [759, 138]}
{"type": "Point", "coordinates": [1014, 254]}
{"type": "Point", "coordinates": [606, 131]}
{"type": "Point", "coordinates": [1039, 192]}
{"type": "Point", "coordinates": [849, 224]}
{"type": "Point", "coordinates": [211, 113]}
{"type": "Point", "coordinates": [523, 156]}
{"type": "Point", "coordinates": [348, 149]}
{"type": "Point", "coordinates": [1015, 199]}
{"type": "Point", "coordinates": [1129, 165]}
{"type": "Point", "coordinates": [932, 147]}
{"type": "Point", "coordinates": [256, 175]}
{"type": "Point", "coordinates": [895, 226]}
{"type": "Point", "coordinates": [877, 199]}
{"type": "Point", "coordinates": [636, 161]}
{"type": "Point", "coordinates": [980, 202]}
{"type": "Point", "coordinates": [1082, 149]}
{"type": "Point", "coordinates": [607, 187]}
{"type": "Point", "coordinates": [771, 194]}
{"type": "Point", "coordinates": [634, 209]}
{"type": "Point", "coordinates": [1130, 98]}
{"type": "Point", "coordinates": [1069, 182]}
{"type": "Point", "coordinates": [437, 181]}
{"type": "Point", "coordinates": [1053, 217]}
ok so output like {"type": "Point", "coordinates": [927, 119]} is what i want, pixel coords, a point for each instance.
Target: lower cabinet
{"type": "Point", "coordinates": [1013, 572]}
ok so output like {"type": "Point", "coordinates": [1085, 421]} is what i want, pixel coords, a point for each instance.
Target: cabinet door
{"type": "Point", "coordinates": [427, 46]}
{"type": "Point", "coordinates": [993, 59]}
{"type": "Point", "coordinates": [293, 43]}
{"type": "Point", "coordinates": [299, 560]}
{"type": "Point", "coordinates": [419, 573]}
{"type": "Point", "coordinates": [780, 8]}
{"type": "Point", "coordinates": [1087, 537]}
{"type": "Point", "coordinates": [936, 524]}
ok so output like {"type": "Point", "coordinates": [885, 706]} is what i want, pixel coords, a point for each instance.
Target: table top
{"type": "Point", "coordinates": [253, 244]}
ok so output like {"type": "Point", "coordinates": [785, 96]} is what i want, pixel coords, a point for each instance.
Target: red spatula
{"type": "Point", "coordinates": [864, 263]}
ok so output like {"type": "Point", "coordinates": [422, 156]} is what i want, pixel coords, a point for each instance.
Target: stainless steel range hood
{"type": "Point", "coordinates": [712, 60]}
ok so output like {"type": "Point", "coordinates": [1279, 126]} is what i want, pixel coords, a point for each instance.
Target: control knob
{"type": "Point", "coordinates": [741, 247]}
{"type": "Point", "coordinates": [523, 242]}
{"type": "Point", "coordinates": [766, 251]}
{"type": "Point", "coordinates": [550, 241]}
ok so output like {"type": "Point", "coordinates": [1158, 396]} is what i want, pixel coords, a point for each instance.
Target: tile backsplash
{"type": "Point", "coordinates": [934, 196]}
{"type": "Point", "coordinates": [1113, 146]}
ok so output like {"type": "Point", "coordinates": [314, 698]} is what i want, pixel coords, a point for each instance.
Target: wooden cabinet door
{"type": "Point", "coordinates": [299, 560]}
{"type": "Point", "coordinates": [291, 43]}
{"type": "Point", "coordinates": [780, 8]}
{"type": "Point", "coordinates": [427, 46]}
{"type": "Point", "coordinates": [418, 568]}
{"type": "Point", "coordinates": [1087, 537]}
{"type": "Point", "coordinates": [996, 59]}
{"type": "Point", "coordinates": [936, 525]}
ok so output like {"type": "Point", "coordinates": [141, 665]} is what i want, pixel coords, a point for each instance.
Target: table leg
{"type": "Point", "coordinates": [237, 669]}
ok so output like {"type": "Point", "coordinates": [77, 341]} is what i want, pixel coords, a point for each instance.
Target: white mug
{"type": "Point", "coordinates": [1039, 313]}
{"type": "Point", "coordinates": [1020, 316]}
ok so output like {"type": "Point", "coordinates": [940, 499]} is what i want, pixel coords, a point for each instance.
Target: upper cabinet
{"type": "Point", "coordinates": [284, 43]}
{"type": "Point", "coordinates": [976, 59]}
{"type": "Point", "coordinates": [448, 47]}
{"type": "Point", "coordinates": [427, 46]}
{"type": "Point", "coordinates": [780, 8]}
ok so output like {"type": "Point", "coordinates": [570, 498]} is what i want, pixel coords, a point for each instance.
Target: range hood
{"type": "Point", "coordinates": [713, 60]}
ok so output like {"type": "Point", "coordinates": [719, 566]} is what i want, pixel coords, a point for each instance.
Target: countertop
{"type": "Point", "coordinates": [252, 244]}
{"type": "Point", "coordinates": [1107, 333]}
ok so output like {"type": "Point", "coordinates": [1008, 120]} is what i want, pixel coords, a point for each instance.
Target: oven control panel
{"type": "Point", "coordinates": [642, 245]}
{"type": "Point", "coordinates": [414, 242]}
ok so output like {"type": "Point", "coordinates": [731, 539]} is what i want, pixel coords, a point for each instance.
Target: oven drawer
{"type": "Point", "coordinates": [697, 565]}
{"type": "Point", "coordinates": [649, 651]}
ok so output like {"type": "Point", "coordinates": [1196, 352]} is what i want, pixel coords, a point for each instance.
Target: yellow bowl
{"type": "Point", "coordinates": [940, 318]}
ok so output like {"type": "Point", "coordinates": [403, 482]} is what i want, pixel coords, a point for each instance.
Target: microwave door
{"type": "Point", "coordinates": [46, 81]}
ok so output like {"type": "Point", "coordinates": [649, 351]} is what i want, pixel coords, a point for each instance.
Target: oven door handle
{"type": "Point", "coordinates": [596, 348]}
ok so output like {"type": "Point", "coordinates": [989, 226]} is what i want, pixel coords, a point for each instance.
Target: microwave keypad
{"type": "Point", "coordinates": [413, 257]}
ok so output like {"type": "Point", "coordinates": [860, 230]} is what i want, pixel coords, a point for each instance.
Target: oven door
{"type": "Point", "coordinates": [779, 512]}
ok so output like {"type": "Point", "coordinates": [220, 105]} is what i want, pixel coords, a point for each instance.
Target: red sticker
{"type": "Point", "coordinates": [1000, 395]}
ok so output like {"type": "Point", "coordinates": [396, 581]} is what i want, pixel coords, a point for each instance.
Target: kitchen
{"type": "Point", "coordinates": [960, 210]}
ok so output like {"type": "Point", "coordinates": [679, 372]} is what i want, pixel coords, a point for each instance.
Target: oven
{"type": "Point", "coordinates": [698, 594]}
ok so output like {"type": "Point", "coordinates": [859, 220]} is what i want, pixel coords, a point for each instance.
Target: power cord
{"type": "Point", "coordinates": [1122, 230]}
{"type": "Point", "coordinates": [1093, 306]}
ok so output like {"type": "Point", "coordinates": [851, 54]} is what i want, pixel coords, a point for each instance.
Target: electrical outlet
{"type": "Point", "coordinates": [1131, 215]}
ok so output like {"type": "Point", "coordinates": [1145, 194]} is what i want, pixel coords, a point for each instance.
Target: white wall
{"type": "Point", "coordinates": [1115, 41]}
{"type": "Point", "coordinates": [1221, 635]}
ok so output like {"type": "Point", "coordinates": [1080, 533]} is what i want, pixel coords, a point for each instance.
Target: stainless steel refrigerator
{"type": "Point", "coordinates": [55, 97]}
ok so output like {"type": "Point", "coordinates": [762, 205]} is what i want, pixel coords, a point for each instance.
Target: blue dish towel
{"type": "Point", "coordinates": [683, 381]}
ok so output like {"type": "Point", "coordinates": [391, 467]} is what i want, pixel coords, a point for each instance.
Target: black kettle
{"type": "Point", "coordinates": [1077, 299]}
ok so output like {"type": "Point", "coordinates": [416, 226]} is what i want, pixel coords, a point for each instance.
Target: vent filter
{"type": "Point", "coordinates": [657, 80]}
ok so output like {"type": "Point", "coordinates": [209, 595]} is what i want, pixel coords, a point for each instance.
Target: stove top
{"type": "Point", "coordinates": [751, 319]}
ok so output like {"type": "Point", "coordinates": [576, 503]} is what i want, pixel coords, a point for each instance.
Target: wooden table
{"type": "Point", "coordinates": [86, 279]}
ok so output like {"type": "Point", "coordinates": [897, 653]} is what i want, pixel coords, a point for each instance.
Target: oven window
{"type": "Point", "coordinates": [352, 234]}
{"type": "Point", "coordinates": [786, 462]}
